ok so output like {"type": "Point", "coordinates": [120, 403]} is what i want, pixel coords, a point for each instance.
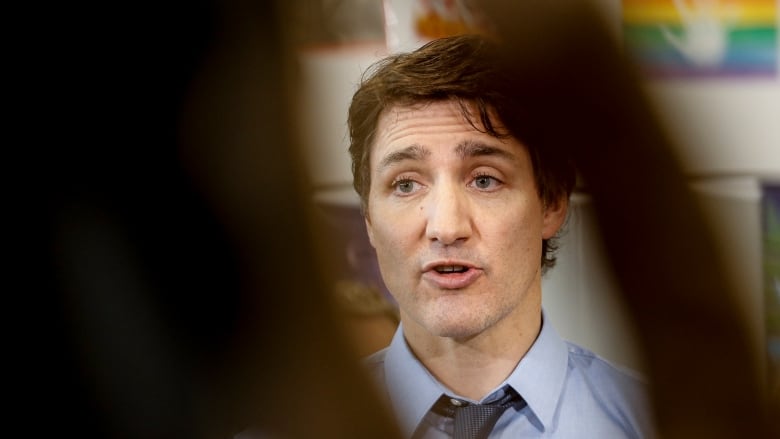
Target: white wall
{"type": "Point", "coordinates": [583, 300]}
{"type": "Point", "coordinates": [329, 77]}
{"type": "Point", "coordinates": [580, 294]}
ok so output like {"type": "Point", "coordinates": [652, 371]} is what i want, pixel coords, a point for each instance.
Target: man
{"type": "Point", "coordinates": [463, 217]}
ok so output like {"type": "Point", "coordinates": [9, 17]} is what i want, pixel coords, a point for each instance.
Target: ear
{"type": "Point", "coordinates": [553, 216]}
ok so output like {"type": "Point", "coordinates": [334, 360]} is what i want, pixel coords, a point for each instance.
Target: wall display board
{"type": "Point", "coordinates": [442, 18]}
{"type": "Point", "coordinates": [702, 38]}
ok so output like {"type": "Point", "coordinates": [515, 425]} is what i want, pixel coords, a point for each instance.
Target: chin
{"type": "Point", "coordinates": [459, 329]}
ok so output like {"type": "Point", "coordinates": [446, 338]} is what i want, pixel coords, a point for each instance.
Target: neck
{"type": "Point", "coordinates": [474, 366]}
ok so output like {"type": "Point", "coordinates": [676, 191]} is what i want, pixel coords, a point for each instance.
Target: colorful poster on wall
{"type": "Point", "coordinates": [442, 18]}
{"type": "Point", "coordinates": [771, 216]}
{"type": "Point", "coordinates": [702, 38]}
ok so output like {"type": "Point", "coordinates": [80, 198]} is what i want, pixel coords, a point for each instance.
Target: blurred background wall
{"type": "Point", "coordinates": [710, 67]}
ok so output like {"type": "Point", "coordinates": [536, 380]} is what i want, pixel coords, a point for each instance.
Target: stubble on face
{"type": "Point", "coordinates": [498, 227]}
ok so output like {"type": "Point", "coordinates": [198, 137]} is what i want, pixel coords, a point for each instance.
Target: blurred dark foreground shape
{"type": "Point", "coordinates": [189, 300]}
{"type": "Point", "coordinates": [585, 99]}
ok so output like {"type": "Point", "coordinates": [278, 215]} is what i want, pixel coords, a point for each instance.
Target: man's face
{"type": "Point", "coordinates": [456, 220]}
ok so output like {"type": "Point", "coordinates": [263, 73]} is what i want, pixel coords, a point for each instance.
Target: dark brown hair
{"type": "Point", "coordinates": [461, 68]}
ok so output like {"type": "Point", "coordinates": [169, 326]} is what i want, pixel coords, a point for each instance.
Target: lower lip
{"type": "Point", "coordinates": [452, 281]}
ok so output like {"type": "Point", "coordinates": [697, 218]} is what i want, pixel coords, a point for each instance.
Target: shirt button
{"type": "Point", "coordinates": [456, 402]}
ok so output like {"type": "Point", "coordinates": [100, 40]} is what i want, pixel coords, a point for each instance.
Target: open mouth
{"type": "Point", "coordinates": [450, 275]}
{"type": "Point", "coordinates": [451, 269]}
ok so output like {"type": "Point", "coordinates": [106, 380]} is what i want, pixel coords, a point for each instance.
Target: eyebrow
{"type": "Point", "coordinates": [413, 152]}
{"type": "Point", "coordinates": [464, 150]}
{"type": "Point", "coordinates": [470, 148]}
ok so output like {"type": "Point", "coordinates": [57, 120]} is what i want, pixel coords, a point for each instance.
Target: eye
{"type": "Point", "coordinates": [485, 182]}
{"type": "Point", "coordinates": [405, 186]}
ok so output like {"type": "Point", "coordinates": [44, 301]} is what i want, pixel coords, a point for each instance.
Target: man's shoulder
{"type": "Point", "coordinates": [594, 366]}
{"type": "Point", "coordinates": [374, 364]}
{"type": "Point", "coordinates": [377, 358]}
{"type": "Point", "coordinates": [621, 391]}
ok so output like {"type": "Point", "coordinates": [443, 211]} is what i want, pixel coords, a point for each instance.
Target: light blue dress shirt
{"type": "Point", "coordinates": [570, 391]}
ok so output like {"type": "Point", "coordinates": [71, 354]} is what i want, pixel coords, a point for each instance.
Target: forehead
{"type": "Point", "coordinates": [436, 123]}
{"type": "Point", "coordinates": [431, 118]}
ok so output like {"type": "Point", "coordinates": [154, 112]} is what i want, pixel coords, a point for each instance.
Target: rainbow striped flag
{"type": "Point", "coordinates": [702, 38]}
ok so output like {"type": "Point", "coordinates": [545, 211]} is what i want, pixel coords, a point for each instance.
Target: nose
{"type": "Point", "coordinates": [448, 216]}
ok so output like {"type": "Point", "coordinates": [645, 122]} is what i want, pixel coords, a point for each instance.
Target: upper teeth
{"type": "Point", "coordinates": [450, 268]}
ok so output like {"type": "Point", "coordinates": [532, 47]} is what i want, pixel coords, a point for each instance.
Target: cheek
{"type": "Point", "coordinates": [370, 232]}
{"type": "Point", "coordinates": [387, 237]}
{"type": "Point", "coordinates": [392, 224]}
{"type": "Point", "coordinates": [516, 235]}
{"type": "Point", "coordinates": [516, 220]}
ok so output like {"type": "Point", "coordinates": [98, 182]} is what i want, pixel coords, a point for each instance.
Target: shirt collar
{"type": "Point", "coordinates": [538, 378]}
{"type": "Point", "coordinates": [541, 373]}
{"type": "Point", "coordinates": [412, 389]}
